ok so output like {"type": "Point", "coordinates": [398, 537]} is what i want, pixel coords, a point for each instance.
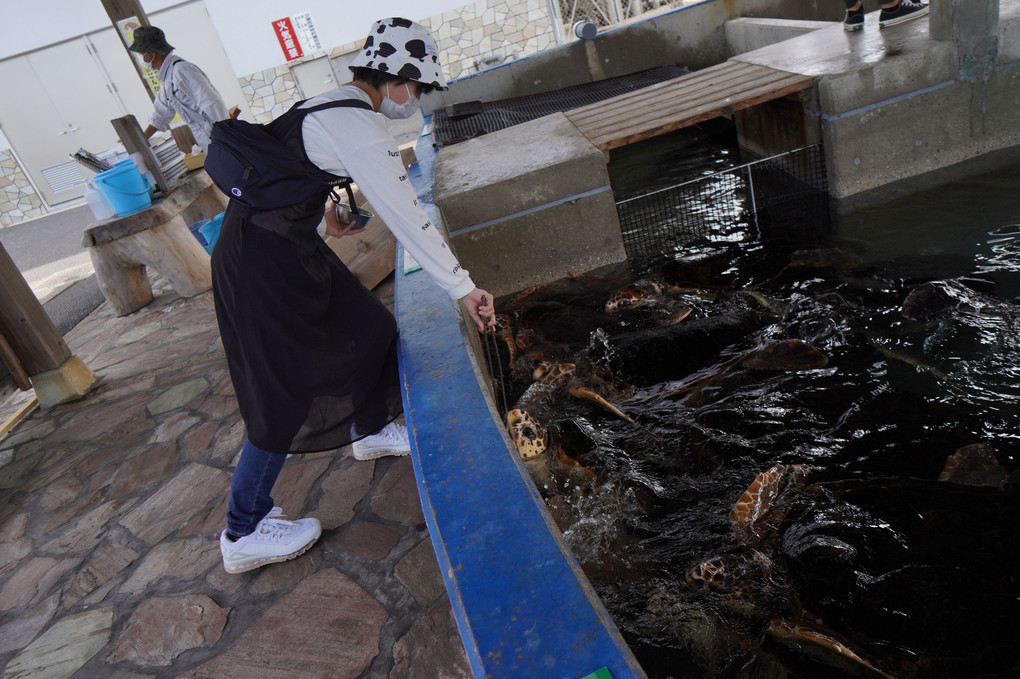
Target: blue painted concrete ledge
{"type": "Point", "coordinates": [523, 607]}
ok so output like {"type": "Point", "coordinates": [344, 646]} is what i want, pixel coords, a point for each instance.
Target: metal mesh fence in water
{"type": "Point", "coordinates": [471, 119]}
{"type": "Point", "coordinates": [733, 205]}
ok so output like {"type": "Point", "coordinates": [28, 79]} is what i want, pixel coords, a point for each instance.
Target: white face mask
{"type": "Point", "coordinates": [395, 111]}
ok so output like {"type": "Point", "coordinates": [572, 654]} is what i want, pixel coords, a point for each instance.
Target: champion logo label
{"type": "Point", "coordinates": [236, 191]}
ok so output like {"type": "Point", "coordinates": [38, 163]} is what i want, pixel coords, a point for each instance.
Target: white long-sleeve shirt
{"type": "Point", "coordinates": [184, 89]}
{"type": "Point", "coordinates": [353, 142]}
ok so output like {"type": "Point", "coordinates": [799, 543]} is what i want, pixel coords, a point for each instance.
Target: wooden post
{"type": "Point", "coordinates": [131, 135]}
{"type": "Point", "coordinates": [119, 10]}
{"type": "Point", "coordinates": [35, 343]}
{"type": "Point", "coordinates": [24, 323]}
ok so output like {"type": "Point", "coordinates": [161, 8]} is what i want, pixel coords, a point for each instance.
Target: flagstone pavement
{"type": "Point", "coordinates": [110, 508]}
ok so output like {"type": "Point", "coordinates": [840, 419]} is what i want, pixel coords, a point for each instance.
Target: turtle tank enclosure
{"type": "Point", "coordinates": [779, 443]}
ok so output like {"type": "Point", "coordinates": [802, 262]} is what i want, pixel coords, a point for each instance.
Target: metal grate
{"type": "Point", "coordinates": [732, 205]}
{"type": "Point", "coordinates": [464, 121]}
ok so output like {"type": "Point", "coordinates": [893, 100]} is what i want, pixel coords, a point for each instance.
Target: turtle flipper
{"type": "Point", "coordinates": [755, 517]}
{"type": "Point", "coordinates": [577, 391]}
{"type": "Point", "coordinates": [822, 645]}
{"type": "Point", "coordinates": [504, 331]}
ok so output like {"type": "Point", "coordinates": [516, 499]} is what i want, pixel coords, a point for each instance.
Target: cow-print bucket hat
{"type": "Point", "coordinates": [402, 48]}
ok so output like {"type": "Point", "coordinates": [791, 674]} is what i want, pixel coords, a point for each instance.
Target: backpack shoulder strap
{"type": "Point", "coordinates": [293, 117]}
{"type": "Point", "coordinates": [287, 128]}
{"type": "Point", "coordinates": [340, 103]}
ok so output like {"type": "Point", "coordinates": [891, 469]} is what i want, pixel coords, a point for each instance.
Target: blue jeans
{"type": "Point", "coordinates": [250, 486]}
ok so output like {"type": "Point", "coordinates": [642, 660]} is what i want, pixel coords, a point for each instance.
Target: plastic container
{"type": "Point", "coordinates": [97, 203]}
{"type": "Point", "coordinates": [124, 188]}
{"type": "Point", "coordinates": [194, 229]}
{"type": "Point", "coordinates": [211, 231]}
{"type": "Point", "coordinates": [140, 162]}
{"type": "Point", "coordinates": [359, 215]}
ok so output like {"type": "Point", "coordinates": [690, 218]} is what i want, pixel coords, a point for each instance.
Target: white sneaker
{"type": "Point", "coordinates": [391, 440]}
{"type": "Point", "coordinates": [275, 539]}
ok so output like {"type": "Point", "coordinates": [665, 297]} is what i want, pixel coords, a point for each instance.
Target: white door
{"type": "Point", "coordinates": [314, 77]}
{"type": "Point", "coordinates": [59, 100]}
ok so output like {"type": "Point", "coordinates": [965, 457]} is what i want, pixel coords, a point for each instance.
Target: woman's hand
{"type": "Point", "coordinates": [338, 229]}
{"type": "Point", "coordinates": [478, 304]}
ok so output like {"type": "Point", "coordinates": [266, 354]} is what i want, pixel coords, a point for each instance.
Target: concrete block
{"type": "Point", "coordinates": [539, 247]}
{"type": "Point", "coordinates": [1009, 32]}
{"type": "Point", "coordinates": [893, 143]}
{"type": "Point", "coordinates": [747, 34]}
{"type": "Point", "coordinates": [70, 382]}
{"type": "Point", "coordinates": [527, 203]}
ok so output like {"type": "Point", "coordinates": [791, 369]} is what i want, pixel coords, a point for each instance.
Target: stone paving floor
{"type": "Point", "coordinates": [110, 508]}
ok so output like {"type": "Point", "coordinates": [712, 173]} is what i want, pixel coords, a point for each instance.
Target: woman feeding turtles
{"type": "Point", "coordinates": [312, 353]}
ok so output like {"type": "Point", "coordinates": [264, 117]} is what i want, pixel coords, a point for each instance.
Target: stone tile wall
{"type": "Point", "coordinates": [270, 92]}
{"type": "Point", "coordinates": [471, 38]}
{"type": "Point", "coordinates": [489, 32]}
{"type": "Point", "coordinates": [18, 200]}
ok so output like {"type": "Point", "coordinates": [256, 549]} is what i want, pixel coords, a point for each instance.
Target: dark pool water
{"type": "Point", "coordinates": [873, 554]}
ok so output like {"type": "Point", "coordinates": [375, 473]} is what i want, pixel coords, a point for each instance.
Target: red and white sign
{"type": "Point", "coordinates": [288, 39]}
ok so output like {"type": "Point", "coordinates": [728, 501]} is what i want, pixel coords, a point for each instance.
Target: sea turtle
{"type": "Point", "coordinates": [823, 258]}
{"type": "Point", "coordinates": [876, 577]}
{"type": "Point", "coordinates": [927, 301]}
{"type": "Point", "coordinates": [553, 470]}
{"type": "Point", "coordinates": [790, 354]}
{"type": "Point", "coordinates": [975, 465]}
{"type": "Point", "coordinates": [551, 382]}
{"type": "Point", "coordinates": [652, 293]}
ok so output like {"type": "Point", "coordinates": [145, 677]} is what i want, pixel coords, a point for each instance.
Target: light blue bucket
{"type": "Point", "coordinates": [124, 188]}
{"type": "Point", "coordinates": [211, 231]}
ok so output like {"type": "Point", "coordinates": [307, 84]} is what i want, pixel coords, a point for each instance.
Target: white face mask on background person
{"type": "Point", "coordinates": [395, 111]}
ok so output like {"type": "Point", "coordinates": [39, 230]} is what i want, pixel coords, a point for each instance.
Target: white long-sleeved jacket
{"type": "Point", "coordinates": [186, 90]}
{"type": "Point", "coordinates": [353, 142]}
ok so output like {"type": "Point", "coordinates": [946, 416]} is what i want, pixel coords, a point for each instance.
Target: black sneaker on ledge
{"type": "Point", "coordinates": [905, 11]}
{"type": "Point", "coordinates": [854, 20]}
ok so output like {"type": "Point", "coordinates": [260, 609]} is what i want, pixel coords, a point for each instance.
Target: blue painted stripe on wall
{"type": "Point", "coordinates": [522, 604]}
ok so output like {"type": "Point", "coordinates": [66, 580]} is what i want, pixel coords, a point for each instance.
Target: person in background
{"type": "Point", "coordinates": [312, 353]}
{"type": "Point", "coordinates": [184, 89]}
{"type": "Point", "coordinates": [892, 13]}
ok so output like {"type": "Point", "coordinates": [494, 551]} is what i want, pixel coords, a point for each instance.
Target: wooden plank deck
{"type": "Point", "coordinates": [682, 102]}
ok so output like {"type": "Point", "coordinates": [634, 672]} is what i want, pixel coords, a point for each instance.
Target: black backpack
{"type": "Point", "coordinates": [264, 166]}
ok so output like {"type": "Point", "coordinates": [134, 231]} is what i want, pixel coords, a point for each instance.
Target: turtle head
{"type": "Point", "coordinates": [526, 339]}
{"type": "Point", "coordinates": [712, 575]}
{"type": "Point", "coordinates": [528, 436]}
{"type": "Point", "coordinates": [633, 295]}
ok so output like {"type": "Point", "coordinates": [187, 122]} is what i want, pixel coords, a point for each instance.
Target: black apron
{"type": "Point", "coordinates": [311, 351]}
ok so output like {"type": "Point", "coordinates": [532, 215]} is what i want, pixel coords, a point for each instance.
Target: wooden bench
{"type": "Point", "coordinates": [122, 247]}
